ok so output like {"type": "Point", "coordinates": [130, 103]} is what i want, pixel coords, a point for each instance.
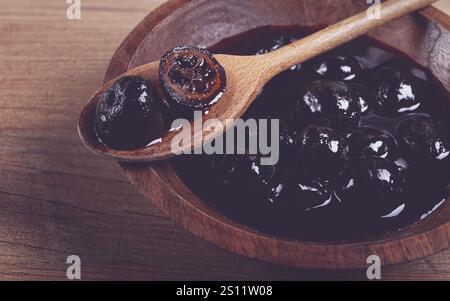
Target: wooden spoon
{"type": "Point", "coordinates": [246, 76]}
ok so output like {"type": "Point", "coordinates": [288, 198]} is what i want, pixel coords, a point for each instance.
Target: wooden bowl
{"type": "Point", "coordinates": [425, 37]}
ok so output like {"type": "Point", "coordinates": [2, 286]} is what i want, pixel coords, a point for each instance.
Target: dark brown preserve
{"type": "Point", "coordinates": [364, 145]}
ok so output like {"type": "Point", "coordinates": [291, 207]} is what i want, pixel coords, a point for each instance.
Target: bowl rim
{"type": "Point", "coordinates": [423, 243]}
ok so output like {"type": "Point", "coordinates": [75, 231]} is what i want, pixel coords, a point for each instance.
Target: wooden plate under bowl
{"type": "Point", "coordinates": [425, 37]}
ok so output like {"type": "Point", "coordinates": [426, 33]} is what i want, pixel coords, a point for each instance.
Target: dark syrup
{"type": "Point", "coordinates": [329, 222]}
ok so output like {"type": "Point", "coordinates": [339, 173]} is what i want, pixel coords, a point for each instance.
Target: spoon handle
{"type": "Point", "coordinates": [337, 34]}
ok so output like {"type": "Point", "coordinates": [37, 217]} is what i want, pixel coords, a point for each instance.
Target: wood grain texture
{"type": "Point", "coordinates": [57, 199]}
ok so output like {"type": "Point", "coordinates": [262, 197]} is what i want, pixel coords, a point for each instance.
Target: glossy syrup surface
{"type": "Point", "coordinates": [353, 163]}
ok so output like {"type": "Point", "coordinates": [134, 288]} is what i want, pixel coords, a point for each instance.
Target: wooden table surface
{"type": "Point", "coordinates": [57, 199]}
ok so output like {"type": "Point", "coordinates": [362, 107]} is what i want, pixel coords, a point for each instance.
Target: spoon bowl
{"type": "Point", "coordinates": [241, 91]}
